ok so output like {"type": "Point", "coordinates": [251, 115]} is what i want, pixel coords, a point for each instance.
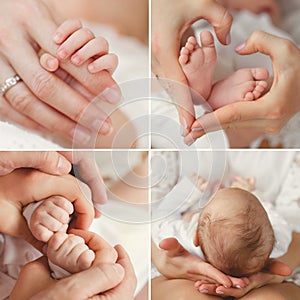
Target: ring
{"type": "Point", "coordinates": [9, 83]}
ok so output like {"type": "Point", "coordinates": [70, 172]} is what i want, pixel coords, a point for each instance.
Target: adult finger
{"type": "Point", "coordinates": [95, 280]}
{"type": "Point", "coordinates": [48, 87]}
{"type": "Point", "coordinates": [103, 251]}
{"type": "Point", "coordinates": [220, 18]}
{"type": "Point", "coordinates": [125, 290]}
{"type": "Point", "coordinates": [228, 115]}
{"type": "Point", "coordinates": [41, 187]}
{"type": "Point", "coordinates": [34, 277]}
{"type": "Point", "coordinates": [172, 246]}
{"type": "Point", "coordinates": [280, 50]}
{"type": "Point", "coordinates": [207, 270]}
{"type": "Point", "coordinates": [50, 162]}
{"type": "Point", "coordinates": [100, 84]}
{"type": "Point", "coordinates": [89, 172]}
{"type": "Point", "coordinates": [276, 267]}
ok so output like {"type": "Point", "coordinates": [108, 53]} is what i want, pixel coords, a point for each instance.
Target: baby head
{"type": "Point", "coordinates": [235, 233]}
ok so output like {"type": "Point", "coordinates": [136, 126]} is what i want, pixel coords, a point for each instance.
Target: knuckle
{"type": "Point", "coordinates": [75, 22]}
{"type": "Point", "coordinates": [22, 102]}
{"type": "Point", "coordinates": [43, 85]}
{"type": "Point", "coordinates": [88, 32]}
{"type": "Point", "coordinates": [288, 47]}
{"type": "Point", "coordinates": [102, 43]}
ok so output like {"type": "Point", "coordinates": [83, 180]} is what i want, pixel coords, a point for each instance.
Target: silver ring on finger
{"type": "Point", "coordinates": [9, 83]}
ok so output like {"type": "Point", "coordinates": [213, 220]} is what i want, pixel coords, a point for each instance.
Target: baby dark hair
{"type": "Point", "coordinates": [238, 238]}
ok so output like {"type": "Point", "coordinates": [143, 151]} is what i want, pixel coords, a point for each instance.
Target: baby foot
{"type": "Point", "coordinates": [244, 84]}
{"type": "Point", "coordinates": [198, 63]}
{"type": "Point", "coordinates": [51, 216]}
{"type": "Point", "coordinates": [69, 252]}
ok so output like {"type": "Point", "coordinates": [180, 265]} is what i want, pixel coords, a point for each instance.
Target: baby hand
{"type": "Point", "coordinates": [80, 45]}
{"type": "Point", "coordinates": [247, 184]}
{"type": "Point", "coordinates": [51, 216]}
{"type": "Point", "coordinates": [69, 252]}
{"type": "Point", "coordinates": [199, 182]}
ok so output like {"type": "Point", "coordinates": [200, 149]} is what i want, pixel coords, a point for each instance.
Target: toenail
{"type": "Point", "coordinates": [204, 291]}
{"type": "Point", "coordinates": [220, 293]}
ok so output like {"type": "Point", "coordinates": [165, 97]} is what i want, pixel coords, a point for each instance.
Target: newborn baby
{"type": "Point", "coordinates": [198, 64]}
{"type": "Point", "coordinates": [235, 233]}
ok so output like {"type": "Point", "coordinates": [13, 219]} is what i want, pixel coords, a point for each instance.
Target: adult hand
{"type": "Point", "coordinates": [42, 100]}
{"type": "Point", "coordinates": [276, 272]}
{"type": "Point", "coordinates": [34, 186]}
{"type": "Point", "coordinates": [86, 169]}
{"type": "Point", "coordinates": [272, 111]}
{"type": "Point", "coordinates": [173, 261]}
{"type": "Point", "coordinates": [166, 37]}
{"type": "Point", "coordinates": [49, 162]}
{"type": "Point", "coordinates": [113, 281]}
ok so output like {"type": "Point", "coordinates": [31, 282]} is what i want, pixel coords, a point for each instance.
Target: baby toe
{"type": "Point", "coordinates": [249, 96]}
{"type": "Point", "coordinates": [260, 73]}
{"type": "Point", "coordinates": [207, 39]}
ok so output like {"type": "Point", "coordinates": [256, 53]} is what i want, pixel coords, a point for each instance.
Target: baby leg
{"type": "Point", "coordinates": [244, 84]}
{"type": "Point", "coordinates": [198, 63]}
{"type": "Point", "coordinates": [69, 252]}
{"type": "Point", "coordinates": [51, 216]}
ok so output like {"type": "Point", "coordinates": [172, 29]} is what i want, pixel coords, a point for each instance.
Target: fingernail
{"type": "Point", "coordinates": [220, 293]}
{"type": "Point", "coordinates": [226, 286]}
{"type": "Point", "coordinates": [191, 143]}
{"type": "Point", "coordinates": [204, 291]}
{"type": "Point", "coordinates": [197, 129]}
{"type": "Point", "coordinates": [51, 64]}
{"type": "Point", "coordinates": [238, 286]}
{"type": "Point", "coordinates": [183, 127]}
{"type": "Point", "coordinates": [62, 54]}
{"type": "Point", "coordinates": [102, 126]}
{"type": "Point", "coordinates": [57, 38]}
{"type": "Point", "coordinates": [240, 46]}
{"type": "Point", "coordinates": [228, 39]}
{"type": "Point", "coordinates": [63, 165]}
{"type": "Point", "coordinates": [76, 60]}
{"type": "Point", "coordinates": [111, 95]}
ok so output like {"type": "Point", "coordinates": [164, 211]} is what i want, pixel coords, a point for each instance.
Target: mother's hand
{"type": "Point", "coordinates": [277, 271]}
{"type": "Point", "coordinates": [34, 186]}
{"type": "Point", "coordinates": [173, 261]}
{"type": "Point", "coordinates": [113, 281]}
{"type": "Point", "coordinates": [42, 100]}
{"type": "Point", "coordinates": [272, 111]}
{"type": "Point", "coordinates": [166, 38]}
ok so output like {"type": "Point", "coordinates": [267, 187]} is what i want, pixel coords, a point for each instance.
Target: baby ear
{"type": "Point", "coordinates": [196, 239]}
